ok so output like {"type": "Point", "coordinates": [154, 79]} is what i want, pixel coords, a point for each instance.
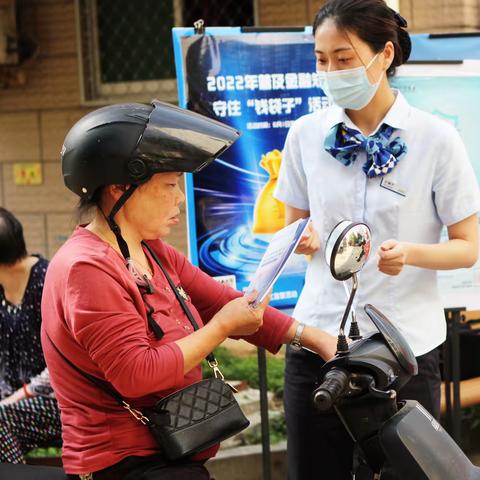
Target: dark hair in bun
{"type": "Point", "coordinates": [373, 21]}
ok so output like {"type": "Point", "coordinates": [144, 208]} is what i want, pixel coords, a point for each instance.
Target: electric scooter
{"type": "Point", "coordinates": [394, 439]}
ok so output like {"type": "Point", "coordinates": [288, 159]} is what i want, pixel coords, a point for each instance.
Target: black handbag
{"type": "Point", "coordinates": [195, 418]}
{"type": "Point", "coordinates": [192, 419]}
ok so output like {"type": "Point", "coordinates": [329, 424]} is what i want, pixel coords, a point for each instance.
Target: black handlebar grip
{"type": "Point", "coordinates": [333, 386]}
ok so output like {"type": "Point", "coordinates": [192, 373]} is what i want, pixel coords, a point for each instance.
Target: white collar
{"type": "Point", "coordinates": [397, 117]}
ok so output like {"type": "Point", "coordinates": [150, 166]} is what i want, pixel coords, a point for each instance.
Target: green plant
{"type": "Point", "coordinates": [44, 452]}
{"type": "Point", "coordinates": [277, 429]}
{"type": "Point", "coordinates": [246, 369]}
{"type": "Point", "coordinates": [473, 416]}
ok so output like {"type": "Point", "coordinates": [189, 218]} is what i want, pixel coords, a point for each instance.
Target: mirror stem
{"type": "Point", "coordinates": [342, 345]}
{"type": "Point", "coordinates": [354, 333]}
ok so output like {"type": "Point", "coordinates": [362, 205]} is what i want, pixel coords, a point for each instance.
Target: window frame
{"type": "Point", "coordinates": [95, 92]}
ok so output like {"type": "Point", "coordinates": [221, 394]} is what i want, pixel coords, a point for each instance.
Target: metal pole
{"type": "Point", "coordinates": [256, 13]}
{"type": "Point", "coordinates": [457, 413]}
{"type": "Point", "coordinates": [262, 376]}
{"type": "Point", "coordinates": [452, 378]}
{"type": "Point", "coordinates": [447, 376]}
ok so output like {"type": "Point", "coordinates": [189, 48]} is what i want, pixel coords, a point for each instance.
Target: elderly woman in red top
{"type": "Point", "coordinates": [108, 307]}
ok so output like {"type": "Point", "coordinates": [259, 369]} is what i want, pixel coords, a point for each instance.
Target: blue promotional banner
{"type": "Point", "coordinates": [258, 83]}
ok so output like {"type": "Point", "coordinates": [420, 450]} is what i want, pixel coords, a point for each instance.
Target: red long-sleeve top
{"type": "Point", "coordinates": [94, 313]}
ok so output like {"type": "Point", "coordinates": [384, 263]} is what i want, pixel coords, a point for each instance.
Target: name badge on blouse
{"type": "Point", "coordinates": [391, 185]}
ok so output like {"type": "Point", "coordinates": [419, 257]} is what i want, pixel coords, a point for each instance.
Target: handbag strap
{"type": "Point", "coordinates": [210, 357]}
{"type": "Point", "coordinates": [104, 386]}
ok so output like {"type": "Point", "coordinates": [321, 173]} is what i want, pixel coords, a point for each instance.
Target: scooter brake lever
{"type": "Point", "coordinates": [362, 381]}
{"type": "Point", "coordinates": [388, 394]}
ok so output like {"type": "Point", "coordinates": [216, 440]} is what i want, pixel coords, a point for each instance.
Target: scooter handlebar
{"type": "Point", "coordinates": [334, 385]}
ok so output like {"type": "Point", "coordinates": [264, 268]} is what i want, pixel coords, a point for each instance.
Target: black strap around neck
{"type": "Point", "coordinates": [122, 244]}
{"type": "Point", "coordinates": [210, 357]}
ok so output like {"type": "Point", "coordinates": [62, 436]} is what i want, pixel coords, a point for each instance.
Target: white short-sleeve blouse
{"type": "Point", "coordinates": [433, 185]}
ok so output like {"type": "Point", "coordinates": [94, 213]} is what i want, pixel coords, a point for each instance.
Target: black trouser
{"type": "Point", "coordinates": [151, 468]}
{"type": "Point", "coordinates": [318, 444]}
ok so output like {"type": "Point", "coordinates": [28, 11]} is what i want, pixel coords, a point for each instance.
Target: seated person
{"type": "Point", "coordinates": [29, 415]}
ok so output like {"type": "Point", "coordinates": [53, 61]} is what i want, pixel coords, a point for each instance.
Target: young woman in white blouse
{"type": "Point", "coordinates": [371, 157]}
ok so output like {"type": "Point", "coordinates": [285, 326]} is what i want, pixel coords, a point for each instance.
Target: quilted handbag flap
{"type": "Point", "coordinates": [196, 402]}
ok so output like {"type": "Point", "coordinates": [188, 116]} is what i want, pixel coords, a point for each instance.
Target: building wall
{"type": "Point", "coordinates": [438, 16]}
{"type": "Point", "coordinates": [287, 12]}
{"type": "Point", "coordinates": [422, 15]}
{"type": "Point", "coordinates": [34, 119]}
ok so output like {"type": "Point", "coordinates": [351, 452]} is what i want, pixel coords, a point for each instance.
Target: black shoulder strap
{"type": "Point", "coordinates": [210, 357]}
{"type": "Point", "coordinates": [105, 386]}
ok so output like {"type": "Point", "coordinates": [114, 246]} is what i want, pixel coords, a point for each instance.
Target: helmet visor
{"type": "Point", "coordinates": [178, 140]}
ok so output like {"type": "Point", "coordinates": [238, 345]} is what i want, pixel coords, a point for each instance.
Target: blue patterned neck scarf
{"type": "Point", "coordinates": [383, 154]}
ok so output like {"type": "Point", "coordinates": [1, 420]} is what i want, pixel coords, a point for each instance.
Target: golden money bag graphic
{"type": "Point", "coordinates": [269, 213]}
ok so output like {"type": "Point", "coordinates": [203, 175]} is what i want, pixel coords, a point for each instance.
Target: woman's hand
{"type": "Point", "coordinates": [323, 343]}
{"type": "Point", "coordinates": [309, 243]}
{"type": "Point", "coordinates": [460, 251]}
{"type": "Point", "coordinates": [392, 257]}
{"type": "Point", "coordinates": [14, 397]}
{"type": "Point", "coordinates": [239, 317]}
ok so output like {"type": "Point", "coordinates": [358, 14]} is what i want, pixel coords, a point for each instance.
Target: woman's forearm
{"type": "Point", "coordinates": [199, 344]}
{"type": "Point", "coordinates": [314, 339]}
{"type": "Point", "coordinates": [455, 253]}
{"type": "Point", "coordinates": [459, 251]}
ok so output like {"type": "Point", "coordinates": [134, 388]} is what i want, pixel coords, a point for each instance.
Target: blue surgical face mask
{"type": "Point", "coordinates": [350, 88]}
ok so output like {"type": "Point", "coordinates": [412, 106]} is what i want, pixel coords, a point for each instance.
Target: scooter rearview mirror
{"type": "Point", "coordinates": [346, 252]}
{"type": "Point", "coordinates": [347, 249]}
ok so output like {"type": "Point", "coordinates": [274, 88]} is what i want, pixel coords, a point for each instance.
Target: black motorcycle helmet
{"type": "Point", "coordinates": [128, 143]}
